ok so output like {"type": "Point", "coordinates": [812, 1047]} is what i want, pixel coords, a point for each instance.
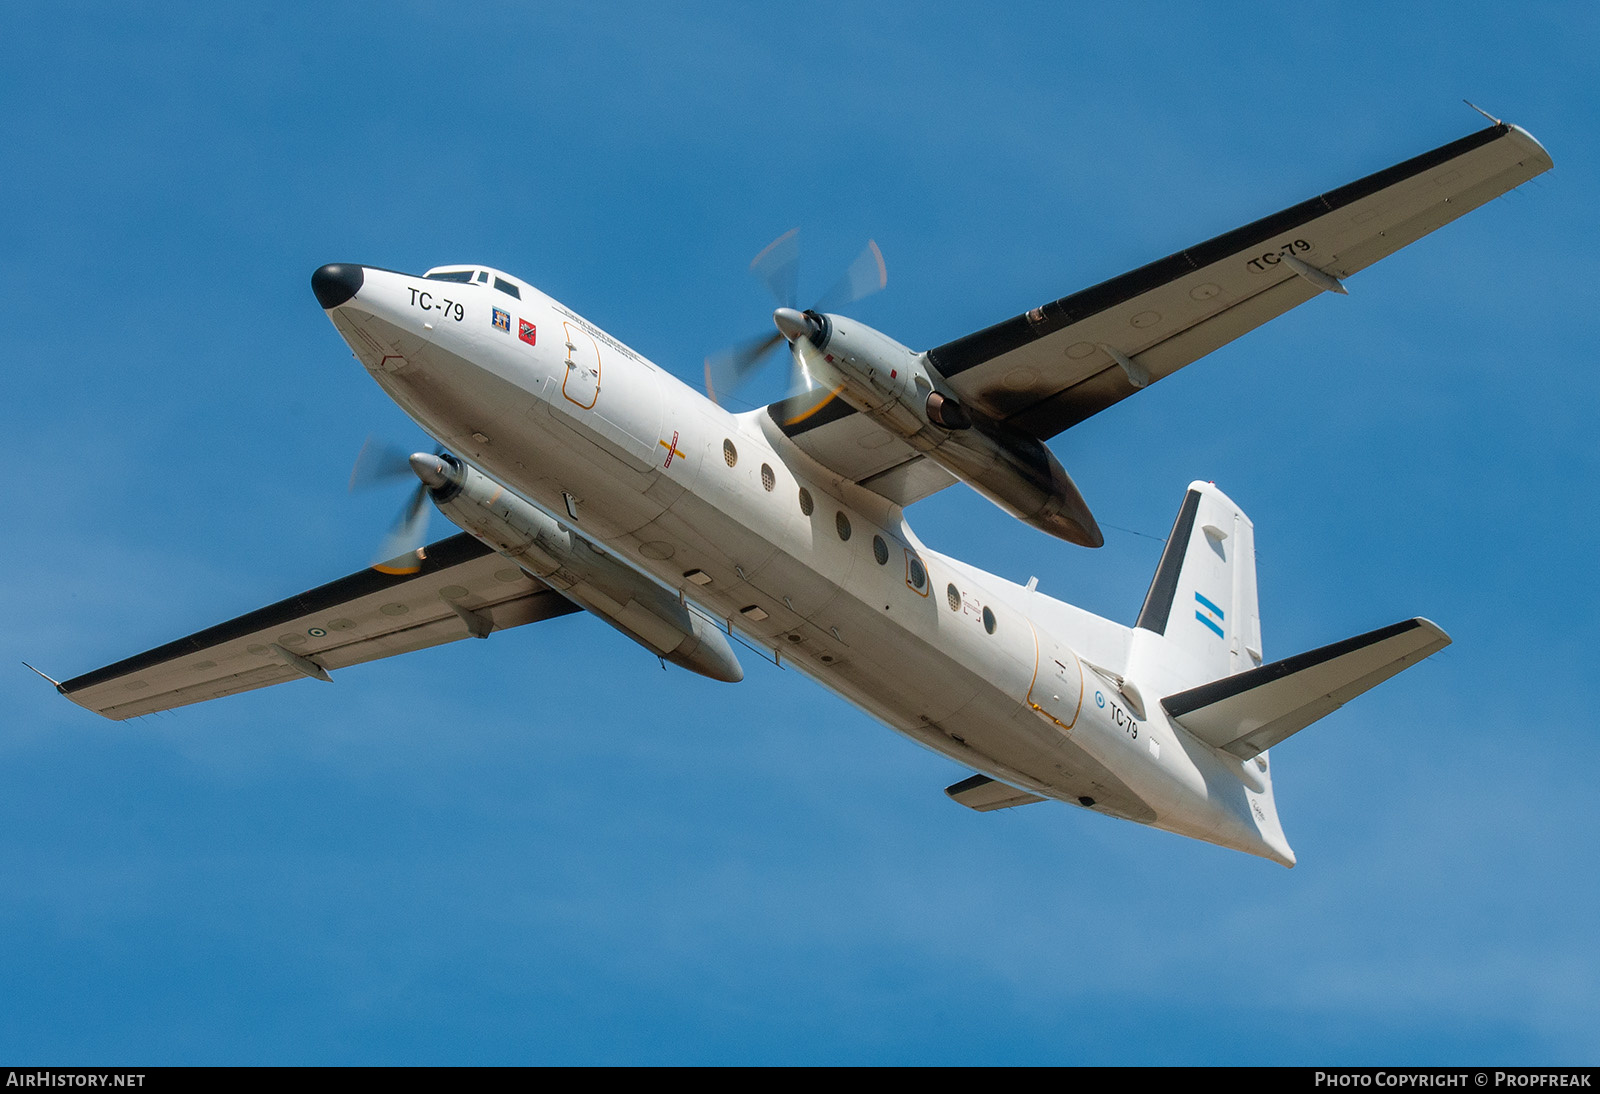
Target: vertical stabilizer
{"type": "Point", "coordinates": [1203, 599]}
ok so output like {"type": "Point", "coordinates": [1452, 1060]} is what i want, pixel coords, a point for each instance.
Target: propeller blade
{"type": "Point", "coordinates": [378, 463]}
{"type": "Point", "coordinates": [401, 552]}
{"type": "Point", "coordinates": [806, 396]}
{"type": "Point", "coordinates": [731, 367]}
{"type": "Point", "coordinates": [803, 406]}
{"type": "Point", "coordinates": [866, 275]}
{"type": "Point", "coordinates": [778, 266]}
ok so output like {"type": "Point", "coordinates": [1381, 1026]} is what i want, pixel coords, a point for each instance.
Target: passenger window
{"type": "Point", "coordinates": [916, 575]}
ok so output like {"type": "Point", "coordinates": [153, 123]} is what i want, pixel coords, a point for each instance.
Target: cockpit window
{"type": "Point", "coordinates": [507, 287]}
{"type": "Point", "coordinates": [459, 276]}
{"type": "Point", "coordinates": [483, 277]}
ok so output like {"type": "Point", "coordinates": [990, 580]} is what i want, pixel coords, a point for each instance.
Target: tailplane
{"type": "Point", "coordinates": [1248, 713]}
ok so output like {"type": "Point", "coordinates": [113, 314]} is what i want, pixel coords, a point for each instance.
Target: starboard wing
{"type": "Point", "coordinates": [856, 449]}
{"type": "Point", "coordinates": [461, 589]}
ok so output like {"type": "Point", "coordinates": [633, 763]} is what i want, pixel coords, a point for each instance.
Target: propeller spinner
{"type": "Point", "coordinates": [777, 266]}
{"type": "Point", "coordinates": [401, 551]}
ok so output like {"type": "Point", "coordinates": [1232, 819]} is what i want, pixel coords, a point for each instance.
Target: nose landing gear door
{"type": "Point", "coordinates": [582, 383]}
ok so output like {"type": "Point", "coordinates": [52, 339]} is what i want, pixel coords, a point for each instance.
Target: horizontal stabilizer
{"type": "Point", "coordinates": [985, 794]}
{"type": "Point", "coordinates": [1248, 713]}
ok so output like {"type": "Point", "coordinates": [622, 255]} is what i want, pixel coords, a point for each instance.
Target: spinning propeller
{"type": "Point", "coordinates": [380, 464]}
{"type": "Point", "coordinates": [778, 267]}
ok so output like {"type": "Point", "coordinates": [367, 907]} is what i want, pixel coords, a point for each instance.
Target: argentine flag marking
{"type": "Point", "coordinates": [1206, 613]}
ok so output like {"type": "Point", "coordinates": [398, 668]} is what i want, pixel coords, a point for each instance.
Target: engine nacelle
{"type": "Point", "coordinates": [897, 388]}
{"type": "Point", "coordinates": [570, 564]}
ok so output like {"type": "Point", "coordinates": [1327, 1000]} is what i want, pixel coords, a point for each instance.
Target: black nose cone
{"type": "Point", "coordinates": [335, 283]}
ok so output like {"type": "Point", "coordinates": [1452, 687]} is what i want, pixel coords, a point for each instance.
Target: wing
{"type": "Point", "coordinates": [462, 589]}
{"type": "Point", "coordinates": [855, 448]}
{"type": "Point", "coordinates": [1050, 368]}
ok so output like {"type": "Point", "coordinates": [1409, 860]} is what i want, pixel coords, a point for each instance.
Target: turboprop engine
{"type": "Point", "coordinates": [574, 567]}
{"type": "Point", "coordinates": [895, 387]}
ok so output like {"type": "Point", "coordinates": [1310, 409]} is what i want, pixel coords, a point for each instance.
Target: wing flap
{"type": "Point", "coordinates": [1051, 368]}
{"type": "Point", "coordinates": [363, 617]}
{"type": "Point", "coordinates": [1248, 713]}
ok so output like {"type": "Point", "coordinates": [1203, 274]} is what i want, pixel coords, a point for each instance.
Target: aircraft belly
{"type": "Point", "coordinates": [699, 539]}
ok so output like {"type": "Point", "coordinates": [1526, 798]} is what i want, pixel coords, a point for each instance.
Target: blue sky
{"type": "Point", "coordinates": [542, 848]}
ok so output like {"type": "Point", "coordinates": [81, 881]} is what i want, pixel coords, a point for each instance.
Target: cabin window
{"type": "Point", "coordinates": [507, 287]}
{"type": "Point", "coordinates": [916, 574]}
{"type": "Point", "coordinates": [953, 595]}
{"type": "Point", "coordinates": [768, 479]}
{"type": "Point", "coordinates": [730, 454]}
{"type": "Point", "coordinates": [806, 505]}
{"type": "Point", "coordinates": [842, 523]}
{"type": "Point", "coordinates": [988, 620]}
{"type": "Point", "coordinates": [880, 550]}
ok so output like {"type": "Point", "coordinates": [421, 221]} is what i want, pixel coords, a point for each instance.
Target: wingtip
{"type": "Point", "coordinates": [1439, 633]}
{"type": "Point", "coordinates": [1539, 150]}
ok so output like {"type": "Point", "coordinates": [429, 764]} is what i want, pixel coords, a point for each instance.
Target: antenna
{"type": "Point", "coordinates": [57, 683]}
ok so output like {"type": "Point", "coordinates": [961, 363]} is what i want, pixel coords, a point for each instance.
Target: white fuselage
{"type": "Point", "coordinates": [1001, 679]}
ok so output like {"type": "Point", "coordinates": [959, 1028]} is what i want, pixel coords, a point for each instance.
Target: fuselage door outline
{"type": "Point", "coordinates": [581, 386]}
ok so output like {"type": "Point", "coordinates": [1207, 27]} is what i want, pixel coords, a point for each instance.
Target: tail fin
{"type": "Point", "coordinates": [1203, 598]}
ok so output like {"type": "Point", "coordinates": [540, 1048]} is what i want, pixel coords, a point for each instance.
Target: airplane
{"type": "Point", "coordinates": [584, 477]}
